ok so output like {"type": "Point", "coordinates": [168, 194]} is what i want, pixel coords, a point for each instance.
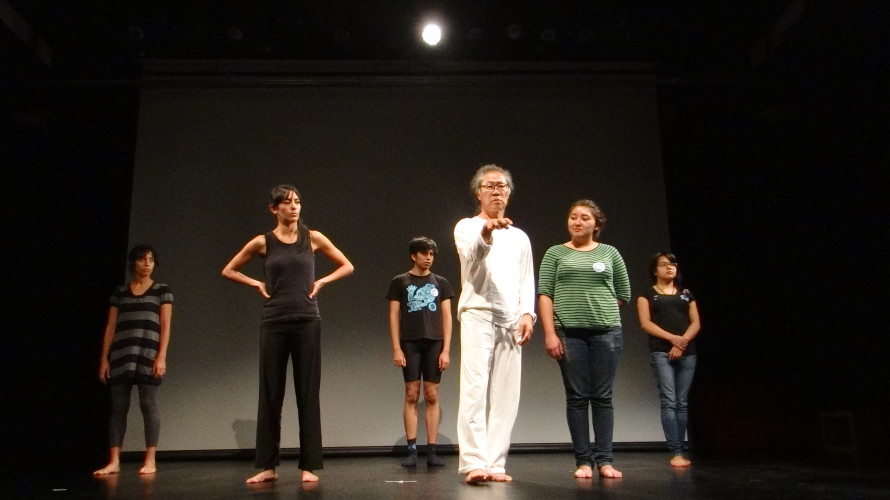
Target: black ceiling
{"type": "Point", "coordinates": [111, 38]}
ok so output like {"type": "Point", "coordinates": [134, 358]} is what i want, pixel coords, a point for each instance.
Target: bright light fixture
{"type": "Point", "coordinates": [432, 34]}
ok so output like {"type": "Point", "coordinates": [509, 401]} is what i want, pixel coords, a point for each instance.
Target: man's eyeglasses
{"type": "Point", "coordinates": [492, 187]}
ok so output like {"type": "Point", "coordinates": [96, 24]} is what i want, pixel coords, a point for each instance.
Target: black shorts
{"type": "Point", "coordinates": [422, 358]}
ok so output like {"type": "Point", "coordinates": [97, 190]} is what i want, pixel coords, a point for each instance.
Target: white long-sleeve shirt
{"type": "Point", "coordinates": [497, 280]}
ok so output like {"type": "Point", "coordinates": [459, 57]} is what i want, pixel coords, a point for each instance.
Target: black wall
{"type": "Point", "coordinates": [67, 157]}
{"type": "Point", "coordinates": [773, 192]}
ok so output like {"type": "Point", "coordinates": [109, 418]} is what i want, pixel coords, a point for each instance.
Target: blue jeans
{"type": "Point", "coordinates": [674, 381]}
{"type": "Point", "coordinates": [588, 369]}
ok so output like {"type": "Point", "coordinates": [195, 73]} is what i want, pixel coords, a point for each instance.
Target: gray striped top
{"type": "Point", "coordinates": [137, 333]}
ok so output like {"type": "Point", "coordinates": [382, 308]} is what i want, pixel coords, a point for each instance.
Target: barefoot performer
{"type": "Point", "coordinates": [669, 314]}
{"type": "Point", "coordinates": [134, 353]}
{"type": "Point", "coordinates": [291, 328]}
{"type": "Point", "coordinates": [581, 285]}
{"type": "Point", "coordinates": [496, 313]}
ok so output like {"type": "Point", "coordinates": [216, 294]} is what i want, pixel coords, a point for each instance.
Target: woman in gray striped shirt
{"type": "Point", "coordinates": [134, 353]}
{"type": "Point", "coordinates": [581, 285]}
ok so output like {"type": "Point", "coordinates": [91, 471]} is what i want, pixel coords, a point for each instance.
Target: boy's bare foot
{"type": "Point", "coordinates": [108, 469]}
{"type": "Point", "coordinates": [500, 477]}
{"type": "Point", "coordinates": [477, 476]}
{"type": "Point", "coordinates": [308, 477]}
{"type": "Point", "coordinates": [584, 472]}
{"type": "Point", "coordinates": [148, 468]}
{"type": "Point", "coordinates": [263, 477]}
{"type": "Point", "coordinates": [680, 461]}
{"type": "Point", "coordinates": [609, 471]}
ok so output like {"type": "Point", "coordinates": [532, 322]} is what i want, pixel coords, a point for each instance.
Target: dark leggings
{"type": "Point", "coordinates": [299, 341]}
{"type": "Point", "coordinates": [422, 359]}
{"type": "Point", "coordinates": [120, 406]}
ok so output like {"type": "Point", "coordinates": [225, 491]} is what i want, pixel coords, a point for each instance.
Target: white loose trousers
{"type": "Point", "coordinates": [490, 371]}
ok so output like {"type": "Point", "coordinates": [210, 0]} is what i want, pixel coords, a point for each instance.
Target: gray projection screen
{"type": "Point", "coordinates": [376, 164]}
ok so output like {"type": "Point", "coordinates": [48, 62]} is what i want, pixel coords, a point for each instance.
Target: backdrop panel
{"type": "Point", "coordinates": [377, 165]}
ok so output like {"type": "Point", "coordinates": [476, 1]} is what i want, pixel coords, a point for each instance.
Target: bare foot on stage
{"type": "Point", "coordinates": [308, 477]}
{"type": "Point", "coordinates": [584, 472]}
{"type": "Point", "coordinates": [108, 469]}
{"type": "Point", "coordinates": [680, 461]}
{"type": "Point", "coordinates": [477, 476]}
{"type": "Point", "coordinates": [148, 468]}
{"type": "Point", "coordinates": [263, 477]}
{"type": "Point", "coordinates": [500, 477]}
{"type": "Point", "coordinates": [610, 472]}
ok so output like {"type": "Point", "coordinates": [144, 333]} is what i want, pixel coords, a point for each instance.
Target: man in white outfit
{"type": "Point", "coordinates": [496, 314]}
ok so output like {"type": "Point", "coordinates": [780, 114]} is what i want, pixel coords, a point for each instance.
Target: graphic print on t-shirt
{"type": "Point", "coordinates": [425, 296]}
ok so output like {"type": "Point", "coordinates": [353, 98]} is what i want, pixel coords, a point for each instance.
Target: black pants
{"type": "Point", "coordinates": [301, 342]}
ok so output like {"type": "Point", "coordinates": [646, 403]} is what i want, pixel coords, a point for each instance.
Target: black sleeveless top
{"type": "Point", "coordinates": [290, 273]}
{"type": "Point", "coordinates": [670, 312]}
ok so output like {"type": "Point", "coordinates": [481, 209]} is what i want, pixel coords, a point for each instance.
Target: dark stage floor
{"type": "Point", "coordinates": [536, 476]}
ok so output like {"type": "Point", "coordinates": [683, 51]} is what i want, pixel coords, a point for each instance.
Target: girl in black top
{"type": "Point", "coordinates": [669, 314]}
{"type": "Point", "coordinates": [291, 328]}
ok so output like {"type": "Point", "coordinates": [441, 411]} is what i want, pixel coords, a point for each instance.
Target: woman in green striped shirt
{"type": "Point", "coordinates": [581, 285]}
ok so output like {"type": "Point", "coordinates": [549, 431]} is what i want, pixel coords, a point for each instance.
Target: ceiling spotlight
{"type": "Point", "coordinates": [432, 34]}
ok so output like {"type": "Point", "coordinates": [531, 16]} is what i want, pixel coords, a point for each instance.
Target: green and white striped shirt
{"type": "Point", "coordinates": [584, 286]}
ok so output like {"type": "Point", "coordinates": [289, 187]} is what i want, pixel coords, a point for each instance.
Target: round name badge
{"type": "Point", "coordinates": [599, 267]}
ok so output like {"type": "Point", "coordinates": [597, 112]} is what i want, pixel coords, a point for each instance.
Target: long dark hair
{"type": "Point", "coordinates": [279, 194]}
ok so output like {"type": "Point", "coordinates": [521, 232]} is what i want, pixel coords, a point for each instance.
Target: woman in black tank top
{"type": "Point", "coordinates": [291, 328]}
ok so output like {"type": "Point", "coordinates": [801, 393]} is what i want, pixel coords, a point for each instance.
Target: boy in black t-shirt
{"type": "Point", "coordinates": [420, 331]}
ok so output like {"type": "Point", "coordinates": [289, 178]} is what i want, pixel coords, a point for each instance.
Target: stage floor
{"type": "Point", "coordinates": [536, 476]}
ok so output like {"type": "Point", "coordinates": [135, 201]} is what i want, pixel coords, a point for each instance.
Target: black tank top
{"type": "Point", "coordinates": [290, 273]}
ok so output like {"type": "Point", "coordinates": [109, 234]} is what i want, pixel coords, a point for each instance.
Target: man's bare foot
{"type": "Point", "coordinates": [108, 469]}
{"type": "Point", "coordinates": [308, 477]}
{"type": "Point", "coordinates": [477, 476]}
{"type": "Point", "coordinates": [148, 468]}
{"type": "Point", "coordinates": [500, 477]}
{"type": "Point", "coordinates": [584, 472]}
{"type": "Point", "coordinates": [263, 477]}
{"type": "Point", "coordinates": [680, 461]}
{"type": "Point", "coordinates": [609, 471]}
